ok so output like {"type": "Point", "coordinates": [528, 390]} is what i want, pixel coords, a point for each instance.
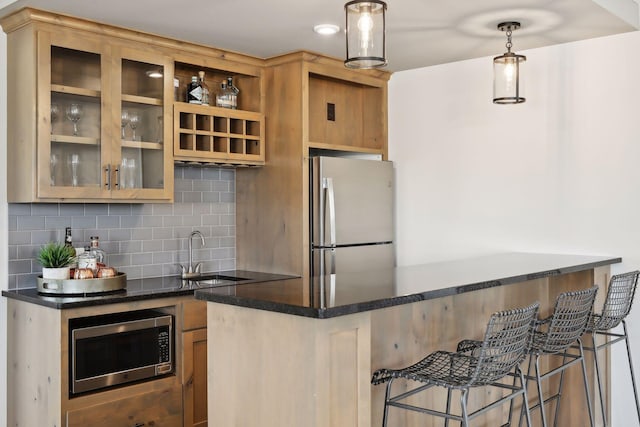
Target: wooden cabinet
{"type": "Point", "coordinates": [215, 135]}
{"type": "Point", "coordinates": [194, 363]}
{"type": "Point", "coordinates": [87, 117]}
{"type": "Point", "coordinates": [157, 408]}
{"type": "Point", "coordinates": [315, 104]}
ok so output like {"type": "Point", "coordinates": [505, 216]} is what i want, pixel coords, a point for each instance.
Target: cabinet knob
{"type": "Point", "coordinates": [139, 424]}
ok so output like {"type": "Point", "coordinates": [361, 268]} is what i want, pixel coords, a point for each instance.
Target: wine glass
{"type": "Point", "coordinates": [134, 120]}
{"type": "Point", "coordinates": [55, 112]}
{"type": "Point", "coordinates": [74, 160]}
{"type": "Point", "coordinates": [125, 121]}
{"type": "Point", "coordinates": [54, 161]}
{"type": "Point", "coordinates": [74, 112]}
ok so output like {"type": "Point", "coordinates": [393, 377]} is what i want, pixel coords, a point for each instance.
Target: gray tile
{"type": "Point", "coordinates": [183, 209]}
{"type": "Point", "coordinates": [119, 209]}
{"type": "Point", "coordinates": [228, 242]}
{"type": "Point", "coordinates": [193, 173]}
{"type": "Point", "coordinates": [211, 265]}
{"type": "Point", "coordinates": [11, 283]}
{"type": "Point", "coordinates": [132, 272]}
{"type": "Point", "coordinates": [110, 247]}
{"type": "Point", "coordinates": [142, 209]}
{"type": "Point", "coordinates": [45, 209]}
{"type": "Point", "coordinates": [131, 246]}
{"type": "Point", "coordinates": [22, 209]}
{"type": "Point", "coordinates": [25, 281]}
{"type": "Point", "coordinates": [19, 237]}
{"type": "Point", "coordinates": [108, 221]}
{"type": "Point", "coordinates": [83, 222]}
{"type": "Point", "coordinates": [72, 209]}
{"type": "Point", "coordinates": [201, 208]}
{"type": "Point", "coordinates": [153, 270]}
{"type": "Point", "coordinates": [19, 266]}
{"type": "Point", "coordinates": [42, 237]}
{"type": "Point", "coordinates": [141, 234]}
{"type": "Point", "coordinates": [120, 234]}
{"type": "Point", "coordinates": [141, 259]}
{"type": "Point", "coordinates": [211, 219]}
{"type": "Point", "coordinates": [27, 252]}
{"type": "Point", "coordinates": [172, 221]}
{"type": "Point", "coordinates": [152, 246]}
{"type": "Point", "coordinates": [228, 175]}
{"type": "Point", "coordinates": [221, 231]}
{"type": "Point", "coordinates": [171, 245]}
{"type": "Point", "coordinates": [178, 172]}
{"type": "Point", "coordinates": [183, 185]}
{"type": "Point", "coordinates": [223, 253]}
{"type": "Point", "coordinates": [163, 257]}
{"type": "Point", "coordinates": [211, 197]}
{"type": "Point", "coordinates": [192, 196]}
{"type": "Point", "coordinates": [96, 209]}
{"type": "Point", "coordinates": [177, 197]}
{"type": "Point", "coordinates": [163, 209]}
{"type": "Point", "coordinates": [221, 186]}
{"type": "Point", "coordinates": [120, 260]}
{"type": "Point", "coordinates": [202, 185]}
{"type": "Point", "coordinates": [211, 174]}
{"type": "Point", "coordinates": [170, 269]}
{"type": "Point", "coordinates": [133, 221]}
{"type": "Point", "coordinates": [30, 223]}
{"type": "Point", "coordinates": [227, 220]}
{"type": "Point", "coordinates": [13, 223]}
{"type": "Point", "coordinates": [228, 264]}
{"type": "Point", "coordinates": [57, 222]}
{"type": "Point", "coordinates": [195, 221]}
{"type": "Point", "coordinates": [162, 233]}
{"type": "Point", "coordinates": [227, 197]}
{"type": "Point", "coordinates": [152, 221]}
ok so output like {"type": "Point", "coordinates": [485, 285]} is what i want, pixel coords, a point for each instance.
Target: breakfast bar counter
{"type": "Point", "coordinates": [280, 354]}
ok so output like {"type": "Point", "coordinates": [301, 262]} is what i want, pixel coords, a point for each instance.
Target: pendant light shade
{"type": "Point", "coordinates": [507, 71]}
{"type": "Point", "coordinates": [365, 28]}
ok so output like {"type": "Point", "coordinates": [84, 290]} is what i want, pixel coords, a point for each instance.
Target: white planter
{"type": "Point", "coordinates": [62, 273]}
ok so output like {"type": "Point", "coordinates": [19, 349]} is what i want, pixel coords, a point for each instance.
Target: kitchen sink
{"type": "Point", "coordinates": [216, 279]}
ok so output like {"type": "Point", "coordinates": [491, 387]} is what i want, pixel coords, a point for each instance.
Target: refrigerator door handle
{"type": "Point", "coordinates": [327, 184]}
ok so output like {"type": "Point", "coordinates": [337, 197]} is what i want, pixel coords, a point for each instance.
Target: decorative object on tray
{"type": "Point", "coordinates": [56, 259]}
{"type": "Point", "coordinates": [83, 287]}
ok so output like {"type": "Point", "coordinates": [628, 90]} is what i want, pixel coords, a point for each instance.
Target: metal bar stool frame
{"type": "Point", "coordinates": [617, 305]}
{"type": "Point", "coordinates": [555, 336]}
{"type": "Point", "coordinates": [474, 364]}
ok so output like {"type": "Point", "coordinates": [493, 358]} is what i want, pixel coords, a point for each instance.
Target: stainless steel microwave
{"type": "Point", "coordinates": [115, 349]}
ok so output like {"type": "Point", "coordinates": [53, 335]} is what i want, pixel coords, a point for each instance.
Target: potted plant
{"type": "Point", "coordinates": [56, 259]}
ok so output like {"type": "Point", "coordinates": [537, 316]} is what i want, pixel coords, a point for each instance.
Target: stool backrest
{"type": "Point", "coordinates": [505, 344]}
{"type": "Point", "coordinates": [569, 319]}
{"type": "Point", "coordinates": [617, 305]}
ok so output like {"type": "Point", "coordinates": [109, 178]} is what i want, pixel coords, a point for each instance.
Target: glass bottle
{"type": "Point", "coordinates": [68, 241]}
{"type": "Point", "coordinates": [194, 91]}
{"type": "Point", "coordinates": [233, 93]}
{"type": "Point", "coordinates": [97, 252]}
{"type": "Point", "coordinates": [88, 259]}
{"type": "Point", "coordinates": [222, 97]}
{"type": "Point", "coordinates": [205, 88]}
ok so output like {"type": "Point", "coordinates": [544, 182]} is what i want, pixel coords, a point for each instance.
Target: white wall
{"type": "Point", "coordinates": [4, 226]}
{"type": "Point", "coordinates": [559, 173]}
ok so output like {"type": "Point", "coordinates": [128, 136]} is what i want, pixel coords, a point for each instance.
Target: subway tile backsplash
{"type": "Point", "coordinates": [142, 240]}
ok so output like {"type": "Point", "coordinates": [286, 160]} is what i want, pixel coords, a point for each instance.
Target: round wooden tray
{"type": "Point", "coordinates": [82, 286]}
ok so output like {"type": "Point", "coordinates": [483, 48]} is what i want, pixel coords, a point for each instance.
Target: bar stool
{"type": "Point", "coordinates": [474, 364]}
{"type": "Point", "coordinates": [617, 306]}
{"type": "Point", "coordinates": [554, 336]}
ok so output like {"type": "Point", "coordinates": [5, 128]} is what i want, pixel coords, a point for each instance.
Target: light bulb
{"type": "Point", "coordinates": [365, 25]}
{"type": "Point", "coordinates": [509, 73]}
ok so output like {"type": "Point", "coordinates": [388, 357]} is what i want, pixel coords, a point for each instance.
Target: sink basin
{"type": "Point", "coordinates": [216, 279]}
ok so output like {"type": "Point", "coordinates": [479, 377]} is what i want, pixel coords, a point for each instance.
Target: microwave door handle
{"type": "Point", "coordinates": [331, 206]}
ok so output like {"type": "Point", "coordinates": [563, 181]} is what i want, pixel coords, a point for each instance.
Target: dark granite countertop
{"type": "Point", "coordinates": [375, 289]}
{"type": "Point", "coordinates": [140, 289]}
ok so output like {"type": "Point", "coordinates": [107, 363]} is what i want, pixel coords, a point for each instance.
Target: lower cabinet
{"type": "Point", "coordinates": [194, 377]}
{"type": "Point", "coordinates": [157, 408]}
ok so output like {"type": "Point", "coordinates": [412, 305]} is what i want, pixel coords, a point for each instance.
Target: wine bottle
{"type": "Point", "coordinates": [205, 88]}
{"type": "Point", "coordinates": [68, 241]}
{"type": "Point", "coordinates": [233, 93]}
{"type": "Point", "coordinates": [194, 91]}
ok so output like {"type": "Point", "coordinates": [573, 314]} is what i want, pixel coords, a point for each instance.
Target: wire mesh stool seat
{"type": "Point", "coordinates": [617, 305]}
{"type": "Point", "coordinates": [474, 364]}
{"type": "Point", "coordinates": [556, 335]}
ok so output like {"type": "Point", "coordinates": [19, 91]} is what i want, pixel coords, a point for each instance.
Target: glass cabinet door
{"type": "Point", "coordinates": [71, 154]}
{"type": "Point", "coordinates": [143, 161]}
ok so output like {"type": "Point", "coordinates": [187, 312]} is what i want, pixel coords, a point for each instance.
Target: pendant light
{"type": "Point", "coordinates": [507, 88]}
{"type": "Point", "coordinates": [365, 28]}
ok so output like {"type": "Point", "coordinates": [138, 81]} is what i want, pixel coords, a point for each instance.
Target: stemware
{"type": "Point", "coordinates": [134, 120]}
{"type": "Point", "coordinates": [55, 112]}
{"type": "Point", "coordinates": [125, 121]}
{"type": "Point", "coordinates": [74, 160]}
{"type": "Point", "coordinates": [74, 112]}
{"type": "Point", "coordinates": [54, 161]}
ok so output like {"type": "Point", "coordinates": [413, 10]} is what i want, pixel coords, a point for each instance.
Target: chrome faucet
{"type": "Point", "coordinates": [190, 270]}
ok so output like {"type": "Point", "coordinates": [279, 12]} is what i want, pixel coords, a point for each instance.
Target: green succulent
{"type": "Point", "coordinates": [56, 255]}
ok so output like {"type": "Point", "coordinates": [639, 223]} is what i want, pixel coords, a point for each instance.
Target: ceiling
{"type": "Point", "coordinates": [419, 32]}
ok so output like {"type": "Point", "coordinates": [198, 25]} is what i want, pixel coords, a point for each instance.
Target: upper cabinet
{"type": "Point", "coordinates": [94, 115]}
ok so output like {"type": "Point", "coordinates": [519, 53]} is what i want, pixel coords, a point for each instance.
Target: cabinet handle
{"type": "Point", "coordinates": [107, 170]}
{"type": "Point", "coordinates": [117, 183]}
{"type": "Point", "coordinates": [138, 424]}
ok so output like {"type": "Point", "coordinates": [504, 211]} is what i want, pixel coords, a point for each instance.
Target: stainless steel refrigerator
{"type": "Point", "coordinates": [351, 222]}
